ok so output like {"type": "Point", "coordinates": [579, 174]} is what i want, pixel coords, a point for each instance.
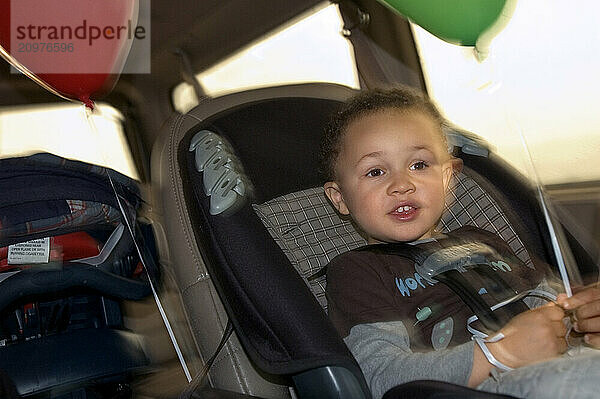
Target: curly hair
{"type": "Point", "coordinates": [366, 103]}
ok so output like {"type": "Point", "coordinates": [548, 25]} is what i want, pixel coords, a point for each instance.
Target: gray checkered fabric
{"type": "Point", "coordinates": [469, 204]}
{"type": "Point", "coordinates": [311, 233]}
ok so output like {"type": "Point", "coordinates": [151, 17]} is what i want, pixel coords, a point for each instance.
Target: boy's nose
{"type": "Point", "coordinates": [401, 184]}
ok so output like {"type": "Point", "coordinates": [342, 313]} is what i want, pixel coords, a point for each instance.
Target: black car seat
{"type": "Point", "coordinates": [246, 230]}
{"type": "Point", "coordinates": [62, 330]}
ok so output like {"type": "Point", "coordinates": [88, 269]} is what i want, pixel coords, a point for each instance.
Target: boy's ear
{"type": "Point", "coordinates": [333, 192]}
{"type": "Point", "coordinates": [453, 165]}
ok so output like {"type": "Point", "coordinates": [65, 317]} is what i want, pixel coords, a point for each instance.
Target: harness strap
{"type": "Point", "coordinates": [454, 280]}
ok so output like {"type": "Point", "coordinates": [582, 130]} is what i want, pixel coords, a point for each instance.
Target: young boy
{"type": "Point", "coordinates": [388, 168]}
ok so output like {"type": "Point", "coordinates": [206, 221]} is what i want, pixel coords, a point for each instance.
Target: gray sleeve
{"type": "Point", "coordinates": [383, 353]}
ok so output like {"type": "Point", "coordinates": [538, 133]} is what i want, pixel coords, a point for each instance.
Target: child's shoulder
{"type": "Point", "coordinates": [356, 255]}
{"type": "Point", "coordinates": [475, 233]}
{"type": "Point", "coordinates": [356, 264]}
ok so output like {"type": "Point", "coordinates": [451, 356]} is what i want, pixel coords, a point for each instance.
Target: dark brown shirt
{"type": "Point", "coordinates": [385, 282]}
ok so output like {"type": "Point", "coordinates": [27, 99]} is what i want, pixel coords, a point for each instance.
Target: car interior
{"type": "Point", "coordinates": [279, 232]}
{"type": "Point", "coordinates": [231, 231]}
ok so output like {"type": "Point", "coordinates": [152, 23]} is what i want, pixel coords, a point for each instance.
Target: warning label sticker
{"type": "Point", "coordinates": [34, 251]}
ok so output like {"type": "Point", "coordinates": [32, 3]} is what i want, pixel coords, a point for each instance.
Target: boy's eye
{"type": "Point", "coordinates": [419, 165]}
{"type": "Point", "coordinates": [375, 172]}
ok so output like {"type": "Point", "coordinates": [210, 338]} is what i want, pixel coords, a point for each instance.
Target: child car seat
{"type": "Point", "coordinates": [246, 229]}
{"type": "Point", "coordinates": [61, 328]}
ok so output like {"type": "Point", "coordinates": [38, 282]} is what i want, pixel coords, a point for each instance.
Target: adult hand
{"type": "Point", "coordinates": [586, 307]}
{"type": "Point", "coordinates": [533, 336]}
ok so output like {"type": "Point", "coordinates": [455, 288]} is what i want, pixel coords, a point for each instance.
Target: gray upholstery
{"type": "Point", "coordinates": [311, 233]}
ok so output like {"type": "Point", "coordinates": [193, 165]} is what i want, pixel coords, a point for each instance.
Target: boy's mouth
{"type": "Point", "coordinates": [404, 212]}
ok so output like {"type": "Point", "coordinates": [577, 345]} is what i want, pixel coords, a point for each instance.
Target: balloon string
{"type": "Point", "coordinates": [25, 71]}
{"type": "Point", "coordinates": [560, 258]}
{"type": "Point", "coordinates": [553, 230]}
{"type": "Point", "coordinates": [89, 117]}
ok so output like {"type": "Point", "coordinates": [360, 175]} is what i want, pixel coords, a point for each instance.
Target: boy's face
{"type": "Point", "coordinates": [392, 174]}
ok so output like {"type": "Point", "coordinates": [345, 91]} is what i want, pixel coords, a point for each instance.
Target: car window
{"type": "Point", "coordinates": [309, 48]}
{"type": "Point", "coordinates": [62, 129]}
{"type": "Point", "coordinates": [540, 78]}
{"type": "Point", "coordinates": [538, 83]}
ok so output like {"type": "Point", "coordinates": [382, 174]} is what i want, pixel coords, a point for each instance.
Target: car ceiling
{"type": "Point", "coordinates": [206, 31]}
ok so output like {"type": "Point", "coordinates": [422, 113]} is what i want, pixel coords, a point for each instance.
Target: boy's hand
{"type": "Point", "coordinates": [533, 336]}
{"type": "Point", "coordinates": [586, 306]}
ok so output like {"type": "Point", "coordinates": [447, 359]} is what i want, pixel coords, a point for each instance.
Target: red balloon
{"type": "Point", "coordinates": [74, 48]}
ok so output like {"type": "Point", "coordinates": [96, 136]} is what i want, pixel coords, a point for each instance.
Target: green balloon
{"type": "Point", "coordinates": [455, 21]}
